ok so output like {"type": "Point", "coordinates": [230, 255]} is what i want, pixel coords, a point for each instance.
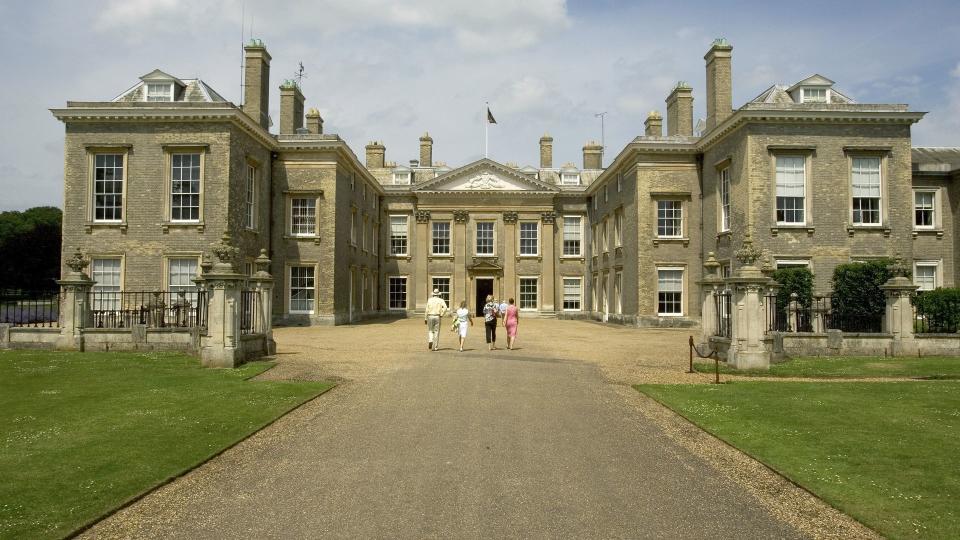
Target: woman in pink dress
{"type": "Point", "coordinates": [511, 320]}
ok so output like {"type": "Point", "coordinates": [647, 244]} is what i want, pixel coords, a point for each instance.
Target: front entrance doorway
{"type": "Point", "coordinates": [484, 287]}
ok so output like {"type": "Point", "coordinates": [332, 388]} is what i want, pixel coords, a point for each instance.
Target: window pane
{"type": "Point", "coordinates": [106, 287]}
{"type": "Point", "coordinates": [185, 187]}
{"type": "Point", "coordinates": [441, 237]}
{"type": "Point", "coordinates": [485, 238]}
{"type": "Point", "coordinates": [670, 292]}
{"type": "Point", "coordinates": [398, 235]}
{"type": "Point", "coordinates": [398, 293]}
{"type": "Point", "coordinates": [108, 187]}
{"type": "Point", "coordinates": [669, 218]}
{"type": "Point", "coordinates": [725, 199]}
{"type": "Point", "coordinates": [925, 277]}
{"type": "Point", "coordinates": [571, 294]}
{"type": "Point", "coordinates": [301, 289]}
{"type": "Point", "coordinates": [303, 217]}
{"type": "Point", "coordinates": [528, 238]}
{"type": "Point", "coordinates": [250, 200]}
{"type": "Point", "coordinates": [528, 293]}
{"type": "Point", "coordinates": [571, 235]}
{"type": "Point", "coordinates": [443, 285]}
{"type": "Point", "coordinates": [923, 208]}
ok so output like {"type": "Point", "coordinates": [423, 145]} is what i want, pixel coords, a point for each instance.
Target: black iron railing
{"type": "Point", "coordinates": [251, 320]}
{"type": "Point", "coordinates": [722, 303]}
{"type": "Point", "coordinates": [30, 309]}
{"type": "Point", "coordinates": [155, 309]}
{"type": "Point", "coordinates": [944, 318]}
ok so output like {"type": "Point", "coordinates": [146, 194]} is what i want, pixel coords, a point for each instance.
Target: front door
{"type": "Point", "coordinates": [484, 287]}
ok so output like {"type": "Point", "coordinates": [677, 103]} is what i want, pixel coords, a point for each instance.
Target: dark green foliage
{"type": "Point", "coordinates": [939, 310]}
{"type": "Point", "coordinates": [794, 280]}
{"type": "Point", "coordinates": [858, 302]}
{"type": "Point", "coordinates": [30, 248]}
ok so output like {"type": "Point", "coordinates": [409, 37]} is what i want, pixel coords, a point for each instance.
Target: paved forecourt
{"type": "Point", "coordinates": [525, 443]}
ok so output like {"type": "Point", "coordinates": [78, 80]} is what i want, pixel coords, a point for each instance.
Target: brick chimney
{"type": "Point", "coordinates": [592, 155]}
{"type": "Point", "coordinates": [314, 121]}
{"type": "Point", "coordinates": [719, 82]}
{"type": "Point", "coordinates": [654, 125]}
{"type": "Point", "coordinates": [291, 107]}
{"type": "Point", "coordinates": [426, 150]}
{"type": "Point", "coordinates": [680, 110]}
{"type": "Point", "coordinates": [256, 82]}
{"type": "Point", "coordinates": [376, 151]}
{"type": "Point", "coordinates": [546, 151]}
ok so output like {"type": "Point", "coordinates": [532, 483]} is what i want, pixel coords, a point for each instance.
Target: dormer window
{"type": "Point", "coordinates": [159, 92]}
{"type": "Point", "coordinates": [570, 179]}
{"type": "Point", "coordinates": [401, 178]}
{"type": "Point", "coordinates": [814, 95]}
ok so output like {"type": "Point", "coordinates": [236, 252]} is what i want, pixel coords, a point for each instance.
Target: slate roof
{"type": "Point", "coordinates": [780, 93]}
{"type": "Point", "coordinates": [194, 90]}
{"type": "Point", "coordinates": [936, 159]}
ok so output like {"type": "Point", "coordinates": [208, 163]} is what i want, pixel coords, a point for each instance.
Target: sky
{"type": "Point", "coordinates": [390, 70]}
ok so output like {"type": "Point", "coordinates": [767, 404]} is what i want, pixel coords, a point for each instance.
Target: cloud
{"type": "Point", "coordinates": [488, 26]}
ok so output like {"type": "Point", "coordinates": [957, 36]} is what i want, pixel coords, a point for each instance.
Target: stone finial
{"type": "Point", "coordinates": [748, 254]}
{"type": "Point", "coordinates": [711, 265]}
{"type": "Point", "coordinates": [767, 268]}
{"type": "Point", "coordinates": [899, 267]}
{"type": "Point", "coordinates": [206, 263]}
{"type": "Point", "coordinates": [226, 252]}
{"type": "Point", "coordinates": [262, 263]}
{"type": "Point", "coordinates": [77, 263]}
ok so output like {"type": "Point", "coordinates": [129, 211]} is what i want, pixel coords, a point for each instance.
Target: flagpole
{"type": "Point", "coordinates": [486, 128]}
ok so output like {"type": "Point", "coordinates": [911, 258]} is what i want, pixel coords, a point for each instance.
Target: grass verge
{"type": "Point", "coordinates": [933, 367]}
{"type": "Point", "coordinates": [85, 433]}
{"type": "Point", "coordinates": [881, 452]}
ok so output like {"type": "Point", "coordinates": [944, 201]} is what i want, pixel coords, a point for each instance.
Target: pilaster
{"type": "Point", "coordinates": [418, 287]}
{"type": "Point", "coordinates": [509, 283]}
{"type": "Point", "coordinates": [549, 295]}
{"type": "Point", "coordinates": [460, 243]}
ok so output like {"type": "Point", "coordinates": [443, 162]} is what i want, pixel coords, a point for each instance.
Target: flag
{"type": "Point", "coordinates": [490, 118]}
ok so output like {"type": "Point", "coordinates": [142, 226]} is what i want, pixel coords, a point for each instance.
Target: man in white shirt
{"type": "Point", "coordinates": [436, 309]}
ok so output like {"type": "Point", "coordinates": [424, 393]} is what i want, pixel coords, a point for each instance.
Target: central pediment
{"type": "Point", "coordinates": [486, 176]}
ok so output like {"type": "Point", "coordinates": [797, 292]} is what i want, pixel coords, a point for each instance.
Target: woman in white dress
{"type": "Point", "coordinates": [463, 316]}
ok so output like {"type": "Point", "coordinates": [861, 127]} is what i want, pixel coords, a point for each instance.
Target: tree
{"type": "Point", "coordinates": [858, 301]}
{"type": "Point", "coordinates": [30, 248]}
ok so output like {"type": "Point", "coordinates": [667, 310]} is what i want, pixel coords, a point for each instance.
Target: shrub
{"type": "Point", "coordinates": [858, 302]}
{"type": "Point", "coordinates": [939, 309]}
{"type": "Point", "coordinates": [794, 280]}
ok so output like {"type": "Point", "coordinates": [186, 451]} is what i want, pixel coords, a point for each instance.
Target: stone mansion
{"type": "Point", "coordinates": [155, 176]}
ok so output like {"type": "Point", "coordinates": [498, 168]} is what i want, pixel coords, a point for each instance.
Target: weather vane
{"type": "Point", "coordinates": [300, 74]}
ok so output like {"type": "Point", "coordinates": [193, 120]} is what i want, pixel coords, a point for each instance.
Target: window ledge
{"type": "Point", "coordinates": [530, 257]}
{"type": "Point", "coordinates": [167, 225]}
{"type": "Point", "coordinates": [853, 229]}
{"type": "Point", "coordinates": [786, 227]}
{"type": "Point", "coordinates": [721, 234]}
{"type": "Point", "coordinates": [571, 258]}
{"type": "Point", "coordinates": [314, 238]}
{"type": "Point", "coordinates": [440, 257]}
{"type": "Point", "coordinates": [671, 240]}
{"type": "Point", "coordinates": [399, 257]}
{"type": "Point", "coordinates": [928, 232]}
{"type": "Point", "coordinates": [90, 225]}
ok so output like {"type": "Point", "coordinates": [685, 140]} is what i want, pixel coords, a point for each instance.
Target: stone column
{"type": "Point", "coordinates": [461, 245]}
{"type": "Point", "coordinates": [548, 267]}
{"type": "Point", "coordinates": [710, 285]}
{"type": "Point", "coordinates": [899, 317]}
{"type": "Point", "coordinates": [793, 313]}
{"type": "Point", "coordinates": [509, 255]}
{"type": "Point", "coordinates": [74, 307]}
{"type": "Point", "coordinates": [221, 346]}
{"type": "Point", "coordinates": [420, 287]}
{"type": "Point", "coordinates": [747, 349]}
{"type": "Point", "coordinates": [262, 283]}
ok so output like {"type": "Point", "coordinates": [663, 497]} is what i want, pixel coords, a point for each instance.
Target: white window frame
{"type": "Point", "coordinates": [879, 198]}
{"type": "Point", "coordinates": [190, 289]}
{"type": "Point", "coordinates": [436, 281]}
{"type": "Point", "coordinates": [936, 273]}
{"type": "Point", "coordinates": [619, 181]}
{"type": "Point", "coordinates": [168, 96]}
{"type": "Point", "coordinates": [536, 238]}
{"type": "Point", "coordinates": [682, 291]}
{"type": "Point", "coordinates": [723, 197]}
{"type": "Point", "coordinates": [579, 281]}
{"type": "Point", "coordinates": [353, 227]}
{"type": "Point", "coordinates": [805, 99]}
{"type": "Point", "coordinates": [290, 290]}
{"type": "Point", "coordinates": [618, 291]}
{"type": "Point", "coordinates": [292, 226]}
{"type": "Point", "coordinates": [406, 235]}
{"type": "Point", "coordinates": [785, 186]}
{"type": "Point", "coordinates": [250, 198]}
{"type": "Point", "coordinates": [569, 179]}
{"type": "Point", "coordinates": [579, 239]}
{"type": "Point", "coordinates": [107, 297]}
{"type": "Point", "coordinates": [434, 237]}
{"type": "Point", "coordinates": [122, 206]}
{"type": "Point", "coordinates": [402, 178]}
{"type": "Point", "coordinates": [618, 228]}
{"type": "Point", "coordinates": [406, 292]}
{"type": "Point", "coordinates": [605, 235]}
{"type": "Point", "coordinates": [199, 185]}
{"type": "Point", "coordinates": [493, 238]}
{"type": "Point", "coordinates": [677, 205]}
{"type": "Point", "coordinates": [520, 293]}
{"type": "Point", "coordinates": [934, 214]}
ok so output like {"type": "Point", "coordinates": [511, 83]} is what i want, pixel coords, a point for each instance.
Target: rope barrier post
{"type": "Point", "coordinates": [716, 369]}
{"type": "Point", "coordinates": [691, 355]}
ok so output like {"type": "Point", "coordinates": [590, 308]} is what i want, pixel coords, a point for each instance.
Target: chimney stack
{"type": "Point", "coordinates": [654, 125]}
{"type": "Point", "coordinates": [546, 151]}
{"type": "Point", "coordinates": [592, 155]}
{"type": "Point", "coordinates": [314, 121]}
{"type": "Point", "coordinates": [680, 110]}
{"type": "Point", "coordinates": [256, 82]}
{"type": "Point", "coordinates": [426, 150]}
{"type": "Point", "coordinates": [719, 82]}
{"type": "Point", "coordinates": [376, 151]}
{"type": "Point", "coordinates": [291, 107]}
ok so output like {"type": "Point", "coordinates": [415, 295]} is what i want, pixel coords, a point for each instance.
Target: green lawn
{"type": "Point", "coordinates": [936, 367]}
{"type": "Point", "coordinates": [885, 453]}
{"type": "Point", "coordinates": [82, 433]}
